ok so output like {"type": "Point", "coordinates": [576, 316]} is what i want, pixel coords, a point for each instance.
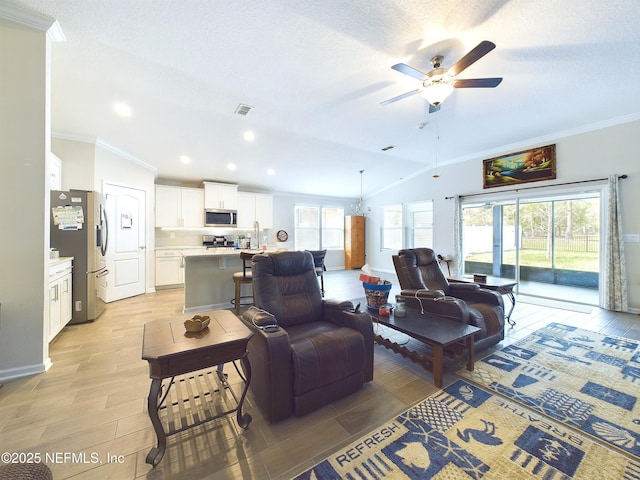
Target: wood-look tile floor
{"type": "Point", "coordinates": [87, 415]}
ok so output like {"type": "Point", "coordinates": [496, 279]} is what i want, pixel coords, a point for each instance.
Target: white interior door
{"type": "Point", "coordinates": [126, 250]}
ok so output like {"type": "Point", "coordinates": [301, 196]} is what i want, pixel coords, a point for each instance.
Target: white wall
{"type": "Point", "coordinates": [585, 156]}
{"type": "Point", "coordinates": [24, 143]}
{"type": "Point", "coordinates": [78, 165]}
{"type": "Point", "coordinates": [88, 166]}
{"type": "Point", "coordinates": [283, 219]}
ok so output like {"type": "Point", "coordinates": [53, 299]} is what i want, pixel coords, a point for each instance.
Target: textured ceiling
{"type": "Point", "coordinates": [316, 72]}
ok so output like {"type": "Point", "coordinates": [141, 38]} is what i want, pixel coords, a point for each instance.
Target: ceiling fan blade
{"type": "Point", "coordinates": [407, 70]}
{"type": "Point", "coordinates": [400, 97]}
{"type": "Point", "coordinates": [473, 56]}
{"type": "Point", "coordinates": [477, 82]}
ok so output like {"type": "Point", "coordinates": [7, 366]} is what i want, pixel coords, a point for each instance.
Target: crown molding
{"type": "Point", "coordinates": [33, 20]}
{"type": "Point", "coordinates": [99, 142]}
{"type": "Point", "coordinates": [514, 147]}
{"type": "Point", "coordinates": [113, 149]}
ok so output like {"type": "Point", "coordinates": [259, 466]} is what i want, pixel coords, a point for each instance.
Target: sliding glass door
{"type": "Point", "coordinates": [550, 245]}
{"type": "Point", "coordinates": [489, 239]}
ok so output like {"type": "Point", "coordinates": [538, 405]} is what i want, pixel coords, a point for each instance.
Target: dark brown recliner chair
{"type": "Point", "coordinates": [320, 350]}
{"type": "Point", "coordinates": [420, 276]}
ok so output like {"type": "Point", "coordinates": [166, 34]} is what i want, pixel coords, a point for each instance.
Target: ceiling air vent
{"type": "Point", "coordinates": [243, 109]}
{"type": "Point", "coordinates": [384, 149]}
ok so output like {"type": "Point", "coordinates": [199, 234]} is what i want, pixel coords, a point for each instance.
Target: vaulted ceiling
{"type": "Point", "coordinates": [315, 74]}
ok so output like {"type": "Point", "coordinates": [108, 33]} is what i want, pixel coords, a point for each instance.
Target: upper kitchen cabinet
{"type": "Point", "coordinates": [255, 207]}
{"type": "Point", "coordinates": [179, 207]}
{"type": "Point", "coordinates": [220, 195]}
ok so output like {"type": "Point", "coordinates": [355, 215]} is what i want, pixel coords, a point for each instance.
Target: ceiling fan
{"type": "Point", "coordinates": [438, 84]}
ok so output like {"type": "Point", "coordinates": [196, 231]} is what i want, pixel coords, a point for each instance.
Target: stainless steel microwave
{"type": "Point", "coordinates": [220, 218]}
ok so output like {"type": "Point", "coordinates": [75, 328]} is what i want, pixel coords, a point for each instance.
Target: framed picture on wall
{"type": "Point", "coordinates": [521, 167]}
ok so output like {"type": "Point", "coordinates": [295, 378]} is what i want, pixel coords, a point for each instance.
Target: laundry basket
{"type": "Point", "coordinates": [376, 294]}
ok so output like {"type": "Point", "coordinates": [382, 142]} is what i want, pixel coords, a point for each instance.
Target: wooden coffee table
{"type": "Point", "coordinates": [186, 359]}
{"type": "Point", "coordinates": [438, 332]}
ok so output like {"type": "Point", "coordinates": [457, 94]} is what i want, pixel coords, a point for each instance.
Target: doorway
{"type": "Point", "coordinates": [126, 250]}
{"type": "Point", "coordinates": [551, 245]}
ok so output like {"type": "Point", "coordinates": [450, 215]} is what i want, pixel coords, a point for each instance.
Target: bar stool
{"type": "Point", "coordinates": [318, 261]}
{"type": "Point", "coordinates": [240, 278]}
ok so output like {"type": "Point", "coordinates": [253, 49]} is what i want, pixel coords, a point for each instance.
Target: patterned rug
{"type": "Point", "coordinates": [465, 431]}
{"type": "Point", "coordinates": [586, 380]}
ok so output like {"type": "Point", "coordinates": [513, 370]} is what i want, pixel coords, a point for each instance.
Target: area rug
{"type": "Point", "coordinates": [465, 431]}
{"type": "Point", "coordinates": [586, 380]}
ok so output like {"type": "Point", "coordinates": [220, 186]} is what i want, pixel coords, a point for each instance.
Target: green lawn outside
{"type": "Point", "coordinates": [578, 261]}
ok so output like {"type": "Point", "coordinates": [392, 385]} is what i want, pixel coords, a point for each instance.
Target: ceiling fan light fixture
{"type": "Point", "coordinates": [436, 93]}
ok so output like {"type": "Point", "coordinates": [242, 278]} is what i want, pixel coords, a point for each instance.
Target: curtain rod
{"type": "Point", "coordinates": [535, 186]}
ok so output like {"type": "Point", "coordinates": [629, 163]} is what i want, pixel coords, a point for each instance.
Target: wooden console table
{"type": "Point", "coordinates": [186, 359]}
{"type": "Point", "coordinates": [438, 332]}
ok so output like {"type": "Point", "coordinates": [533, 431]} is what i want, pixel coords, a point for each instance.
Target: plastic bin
{"type": "Point", "coordinates": [376, 294]}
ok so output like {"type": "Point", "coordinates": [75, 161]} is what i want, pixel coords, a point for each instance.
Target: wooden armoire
{"type": "Point", "coordinates": [353, 241]}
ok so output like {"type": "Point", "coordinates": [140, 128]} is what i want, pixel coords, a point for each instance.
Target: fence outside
{"type": "Point", "coordinates": [577, 243]}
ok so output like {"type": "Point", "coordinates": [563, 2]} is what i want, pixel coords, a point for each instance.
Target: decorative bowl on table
{"type": "Point", "coordinates": [197, 323]}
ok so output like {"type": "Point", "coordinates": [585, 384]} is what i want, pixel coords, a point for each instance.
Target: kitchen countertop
{"type": "Point", "coordinates": [221, 251]}
{"type": "Point", "coordinates": [214, 251]}
{"type": "Point", "coordinates": [56, 261]}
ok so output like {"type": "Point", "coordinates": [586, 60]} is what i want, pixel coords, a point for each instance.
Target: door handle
{"type": "Point", "coordinates": [103, 273]}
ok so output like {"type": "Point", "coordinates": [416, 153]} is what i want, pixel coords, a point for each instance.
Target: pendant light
{"type": "Point", "coordinates": [358, 208]}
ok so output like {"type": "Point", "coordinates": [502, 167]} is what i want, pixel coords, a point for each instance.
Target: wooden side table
{"type": "Point", "coordinates": [503, 286]}
{"type": "Point", "coordinates": [186, 359]}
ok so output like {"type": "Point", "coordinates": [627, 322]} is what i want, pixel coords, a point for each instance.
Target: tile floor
{"type": "Point", "coordinates": [87, 414]}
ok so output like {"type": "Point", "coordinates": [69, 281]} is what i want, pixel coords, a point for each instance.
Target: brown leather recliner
{"type": "Point", "coordinates": [306, 352]}
{"type": "Point", "coordinates": [420, 276]}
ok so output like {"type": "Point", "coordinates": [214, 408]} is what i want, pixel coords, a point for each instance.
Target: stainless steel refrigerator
{"type": "Point", "coordinates": [79, 229]}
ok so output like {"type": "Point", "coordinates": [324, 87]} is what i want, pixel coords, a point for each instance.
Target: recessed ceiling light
{"type": "Point", "coordinates": [231, 166]}
{"type": "Point", "coordinates": [271, 171]}
{"type": "Point", "coordinates": [249, 136]}
{"type": "Point", "coordinates": [185, 159]}
{"type": "Point", "coordinates": [122, 109]}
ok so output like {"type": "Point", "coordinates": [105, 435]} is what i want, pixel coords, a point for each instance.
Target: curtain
{"type": "Point", "coordinates": [458, 264]}
{"type": "Point", "coordinates": [615, 281]}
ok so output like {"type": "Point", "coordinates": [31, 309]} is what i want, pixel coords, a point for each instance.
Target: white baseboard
{"type": "Point", "coordinates": [205, 308]}
{"type": "Point", "coordinates": [9, 374]}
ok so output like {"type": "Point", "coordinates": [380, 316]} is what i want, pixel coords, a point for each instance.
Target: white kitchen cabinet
{"type": "Point", "coordinates": [192, 207]}
{"type": "Point", "coordinates": [179, 207]}
{"type": "Point", "coordinates": [169, 268]}
{"type": "Point", "coordinates": [264, 210]}
{"type": "Point", "coordinates": [254, 207]}
{"type": "Point", "coordinates": [246, 210]}
{"type": "Point", "coordinates": [59, 297]}
{"type": "Point", "coordinates": [220, 195]}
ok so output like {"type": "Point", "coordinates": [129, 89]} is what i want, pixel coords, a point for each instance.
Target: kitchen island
{"type": "Point", "coordinates": [208, 278]}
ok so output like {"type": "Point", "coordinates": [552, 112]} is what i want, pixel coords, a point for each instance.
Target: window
{"type": "Point", "coordinates": [319, 227]}
{"type": "Point", "coordinates": [420, 225]}
{"type": "Point", "coordinates": [392, 227]}
{"type": "Point", "coordinates": [307, 227]}
{"type": "Point", "coordinates": [332, 228]}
